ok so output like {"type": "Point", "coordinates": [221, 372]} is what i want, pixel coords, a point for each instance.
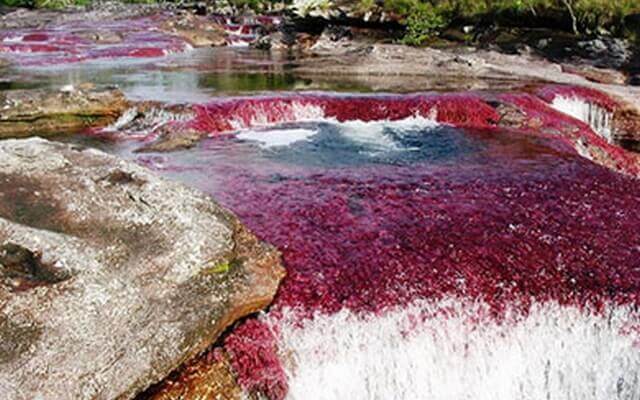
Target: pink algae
{"type": "Point", "coordinates": [525, 219]}
{"type": "Point", "coordinates": [253, 353]}
{"type": "Point", "coordinates": [568, 128]}
{"type": "Point", "coordinates": [35, 37]}
{"type": "Point", "coordinates": [549, 92]}
{"type": "Point", "coordinates": [231, 114]}
{"type": "Point", "coordinates": [79, 40]}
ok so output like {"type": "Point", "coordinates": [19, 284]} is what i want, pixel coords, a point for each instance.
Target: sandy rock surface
{"type": "Point", "coordinates": [111, 277]}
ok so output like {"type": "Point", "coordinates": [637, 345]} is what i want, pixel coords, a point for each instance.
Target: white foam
{"type": "Point", "coordinates": [13, 39]}
{"type": "Point", "coordinates": [289, 112]}
{"type": "Point", "coordinates": [555, 352]}
{"type": "Point", "coordinates": [277, 137]}
{"type": "Point", "coordinates": [125, 119]}
{"type": "Point", "coordinates": [598, 118]}
{"type": "Point", "coordinates": [373, 133]}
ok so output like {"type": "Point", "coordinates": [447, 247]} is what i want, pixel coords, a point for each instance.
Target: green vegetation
{"type": "Point", "coordinates": [423, 22]}
{"type": "Point", "coordinates": [424, 18]}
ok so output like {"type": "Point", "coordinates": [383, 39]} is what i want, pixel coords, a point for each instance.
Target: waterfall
{"type": "Point", "coordinates": [598, 118]}
{"type": "Point", "coordinates": [241, 113]}
{"type": "Point", "coordinates": [451, 351]}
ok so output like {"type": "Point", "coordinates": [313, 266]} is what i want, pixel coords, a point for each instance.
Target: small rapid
{"type": "Point", "coordinates": [598, 118]}
{"type": "Point", "coordinates": [451, 350]}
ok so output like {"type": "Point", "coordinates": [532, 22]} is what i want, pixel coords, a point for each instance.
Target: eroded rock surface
{"type": "Point", "coordinates": [110, 276]}
{"type": "Point", "coordinates": [29, 112]}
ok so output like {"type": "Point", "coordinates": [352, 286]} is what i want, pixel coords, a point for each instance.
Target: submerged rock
{"type": "Point", "coordinates": [29, 112]}
{"type": "Point", "coordinates": [172, 141]}
{"type": "Point", "coordinates": [110, 276]}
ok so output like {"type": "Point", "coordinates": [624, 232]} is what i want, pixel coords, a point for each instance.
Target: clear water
{"type": "Point", "coordinates": [191, 77]}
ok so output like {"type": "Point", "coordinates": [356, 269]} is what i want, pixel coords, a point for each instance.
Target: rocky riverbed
{"type": "Point", "coordinates": [458, 196]}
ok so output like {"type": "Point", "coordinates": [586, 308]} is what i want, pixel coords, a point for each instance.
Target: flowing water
{"type": "Point", "coordinates": [428, 261]}
{"type": "Point", "coordinates": [430, 254]}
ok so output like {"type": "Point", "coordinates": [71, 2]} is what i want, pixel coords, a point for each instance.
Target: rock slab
{"type": "Point", "coordinates": [111, 277]}
{"type": "Point", "coordinates": [31, 112]}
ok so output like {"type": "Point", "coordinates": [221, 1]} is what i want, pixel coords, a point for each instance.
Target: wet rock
{"type": "Point", "coordinates": [172, 141]}
{"type": "Point", "coordinates": [287, 34]}
{"type": "Point", "coordinates": [149, 119]}
{"type": "Point", "coordinates": [208, 377]}
{"type": "Point", "coordinates": [606, 51]}
{"type": "Point", "coordinates": [286, 38]}
{"type": "Point", "coordinates": [126, 275]}
{"type": "Point", "coordinates": [197, 30]}
{"type": "Point", "coordinates": [337, 32]}
{"type": "Point", "coordinates": [626, 127]}
{"type": "Point", "coordinates": [30, 112]}
{"type": "Point", "coordinates": [599, 75]}
{"type": "Point", "coordinates": [101, 36]}
{"type": "Point", "coordinates": [265, 42]}
{"type": "Point", "coordinates": [334, 41]}
{"type": "Point", "coordinates": [21, 268]}
{"type": "Point", "coordinates": [388, 67]}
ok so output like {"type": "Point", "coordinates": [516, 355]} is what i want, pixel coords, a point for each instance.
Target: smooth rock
{"type": "Point", "coordinates": [111, 277]}
{"type": "Point", "coordinates": [30, 112]}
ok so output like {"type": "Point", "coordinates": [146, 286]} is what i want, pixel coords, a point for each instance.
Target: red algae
{"type": "Point", "coordinates": [553, 227]}
{"type": "Point", "coordinates": [78, 40]}
{"type": "Point", "coordinates": [253, 352]}
{"type": "Point", "coordinates": [549, 92]}
{"type": "Point", "coordinates": [232, 114]}
{"type": "Point", "coordinates": [546, 119]}
{"type": "Point", "coordinates": [523, 219]}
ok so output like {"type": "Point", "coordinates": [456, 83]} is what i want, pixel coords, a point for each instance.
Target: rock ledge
{"type": "Point", "coordinates": [111, 277]}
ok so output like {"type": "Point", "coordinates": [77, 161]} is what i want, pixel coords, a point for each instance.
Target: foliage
{"type": "Point", "coordinates": [422, 22]}
{"type": "Point", "coordinates": [424, 18]}
{"type": "Point", "coordinates": [311, 7]}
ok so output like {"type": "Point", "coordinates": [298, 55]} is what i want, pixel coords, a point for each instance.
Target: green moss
{"type": "Point", "coordinates": [221, 268]}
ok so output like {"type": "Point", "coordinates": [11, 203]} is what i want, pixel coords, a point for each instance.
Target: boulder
{"type": "Point", "coordinates": [111, 277]}
{"type": "Point", "coordinates": [30, 112]}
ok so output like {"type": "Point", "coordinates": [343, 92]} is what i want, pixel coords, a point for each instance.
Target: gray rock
{"type": "Point", "coordinates": [111, 277]}
{"type": "Point", "coordinates": [609, 52]}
